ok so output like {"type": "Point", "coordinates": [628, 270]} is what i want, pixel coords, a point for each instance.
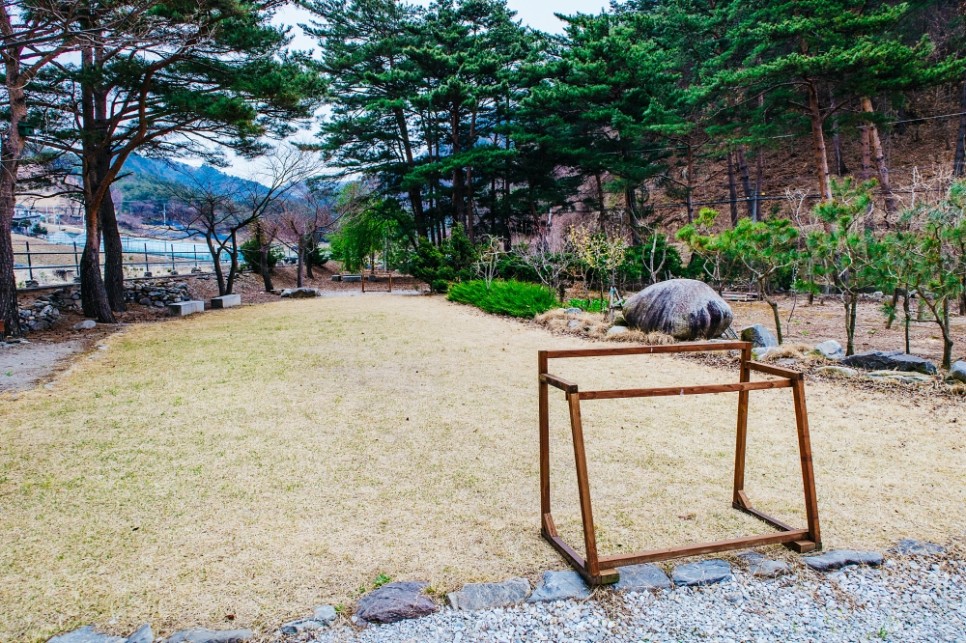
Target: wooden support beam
{"type": "Point", "coordinates": [703, 548]}
{"type": "Point", "coordinates": [684, 390]}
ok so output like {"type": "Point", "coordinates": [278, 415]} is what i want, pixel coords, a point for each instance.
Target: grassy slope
{"type": "Point", "coordinates": [261, 460]}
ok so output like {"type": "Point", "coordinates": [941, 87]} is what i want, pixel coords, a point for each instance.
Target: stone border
{"type": "Point", "coordinates": [399, 601]}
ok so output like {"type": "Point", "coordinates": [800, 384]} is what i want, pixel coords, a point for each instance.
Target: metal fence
{"type": "Point", "coordinates": [51, 267]}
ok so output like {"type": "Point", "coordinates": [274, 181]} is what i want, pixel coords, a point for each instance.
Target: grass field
{"type": "Point", "coordinates": [258, 461]}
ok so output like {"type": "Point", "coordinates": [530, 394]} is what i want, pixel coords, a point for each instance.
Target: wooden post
{"type": "Point", "coordinates": [583, 485]}
{"type": "Point", "coordinates": [30, 264]}
{"type": "Point", "coordinates": [808, 472]}
{"type": "Point", "coordinates": [739, 498]}
{"type": "Point", "coordinates": [544, 404]}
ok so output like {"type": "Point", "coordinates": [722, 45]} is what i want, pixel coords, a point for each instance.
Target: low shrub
{"type": "Point", "coordinates": [589, 305]}
{"type": "Point", "coordinates": [513, 298]}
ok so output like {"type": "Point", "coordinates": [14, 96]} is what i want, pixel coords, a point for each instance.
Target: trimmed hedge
{"type": "Point", "coordinates": [513, 298]}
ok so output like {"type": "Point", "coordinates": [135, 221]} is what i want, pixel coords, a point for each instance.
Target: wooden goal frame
{"type": "Point", "coordinates": [598, 570]}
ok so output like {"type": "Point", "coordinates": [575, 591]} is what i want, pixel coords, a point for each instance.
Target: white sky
{"type": "Point", "coordinates": [538, 14]}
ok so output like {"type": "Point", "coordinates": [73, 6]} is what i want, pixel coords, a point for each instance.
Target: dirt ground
{"type": "Point", "coordinates": [238, 467]}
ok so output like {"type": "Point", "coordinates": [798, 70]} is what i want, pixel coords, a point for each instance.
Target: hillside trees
{"type": "Point", "coordinates": [34, 33]}
{"type": "Point", "coordinates": [185, 74]}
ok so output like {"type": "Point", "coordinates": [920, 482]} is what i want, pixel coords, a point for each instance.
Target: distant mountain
{"type": "Point", "coordinates": [140, 169]}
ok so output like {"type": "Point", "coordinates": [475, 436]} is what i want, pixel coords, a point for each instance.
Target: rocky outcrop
{"type": "Point", "coordinates": [890, 361]}
{"type": "Point", "coordinates": [683, 308]}
{"type": "Point", "coordinates": [157, 294]}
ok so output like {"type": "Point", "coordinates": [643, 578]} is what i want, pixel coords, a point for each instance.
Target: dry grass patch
{"type": "Point", "coordinates": [261, 460]}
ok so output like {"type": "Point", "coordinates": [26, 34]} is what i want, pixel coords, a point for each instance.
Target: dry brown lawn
{"type": "Point", "coordinates": [258, 461]}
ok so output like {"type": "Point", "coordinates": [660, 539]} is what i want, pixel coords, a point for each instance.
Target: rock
{"type": "Point", "coordinates": [325, 614]}
{"type": "Point", "coordinates": [478, 596]}
{"type": "Point", "coordinates": [573, 324]}
{"type": "Point", "coordinates": [301, 293]}
{"type": "Point", "coordinates": [958, 371]}
{"type": "Point", "coordinates": [759, 336]}
{"type": "Point", "coordinates": [830, 349]}
{"type": "Point", "coordinates": [892, 361]}
{"type": "Point", "coordinates": [836, 371]}
{"type": "Point", "coordinates": [763, 567]}
{"type": "Point", "coordinates": [841, 557]}
{"type": "Point", "coordinates": [900, 377]}
{"type": "Point", "coordinates": [614, 331]}
{"type": "Point", "coordinates": [573, 311]}
{"type": "Point", "coordinates": [705, 572]}
{"type": "Point", "coordinates": [143, 634]}
{"type": "Point", "coordinates": [911, 547]}
{"type": "Point", "coordinates": [684, 308]}
{"type": "Point", "coordinates": [395, 602]}
{"type": "Point", "coordinates": [85, 634]}
{"type": "Point", "coordinates": [210, 636]}
{"type": "Point", "coordinates": [301, 625]}
{"type": "Point", "coordinates": [87, 324]}
{"type": "Point", "coordinates": [555, 586]}
{"type": "Point", "coordinates": [640, 577]}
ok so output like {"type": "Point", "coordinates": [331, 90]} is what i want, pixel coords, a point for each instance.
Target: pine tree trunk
{"type": "Point", "coordinates": [745, 180]}
{"type": "Point", "coordinates": [9, 310]}
{"type": "Point", "coordinates": [113, 254]}
{"type": "Point", "coordinates": [851, 304]}
{"type": "Point", "coordinates": [959, 160]}
{"type": "Point", "coordinates": [878, 156]}
{"type": "Point", "coordinates": [11, 148]}
{"type": "Point", "coordinates": [759, 178]}
{"type": "Point", "coordinates": [732, 189]}
{"type": "Point", "coordinates": [818, 143]}
{"type": "Point", "coordinates": [866, 172]}
{"type": "Point", "coordinates": [266, 271]}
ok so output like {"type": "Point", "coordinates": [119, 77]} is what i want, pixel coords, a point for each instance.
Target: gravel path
{"type": "Point", "coordinates": [907, 599]}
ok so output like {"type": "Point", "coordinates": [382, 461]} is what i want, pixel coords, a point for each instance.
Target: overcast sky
{"type": "Point", "coordinates": [538, 14]}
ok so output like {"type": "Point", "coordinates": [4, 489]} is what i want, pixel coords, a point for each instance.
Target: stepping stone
{"type": "Point", "coordinates": [86, 634]}
{"type": "Point", "coordinates": [395, 602]}
{"type": "Point", "coordinates": [705, 572]}
{"type": "Point", "coordinates": [763, 567]}
{"type": "Point", "coordinates": [911, 547]}
{"type": "Point", "coordinates": [902, 378]}
{"type": "Point", "coordinates": [841, 557]}
{"type": "Point", "coordinates": [322, 617]}
{"type": "Point", "coordinates": [478, 596]}
{"type": "Point", "coordinates": [185, 308]}
{"type": "Point", "coordinates": [225, 301]}
{"type": "Point", "coordinates": [143, 634]}
{"type": "Point", "coordinates": [87, 324]}
{"type": "Point", "coordinates": [556, 586]}
{"type": "Point", "coordinates": [210, 636]}
{"type": "Point", "coordinates": [351, 278]}
{"type": "Point", "coordinates": [635, 578]}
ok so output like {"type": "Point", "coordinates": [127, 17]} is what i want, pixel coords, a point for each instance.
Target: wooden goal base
{"type": "Point", "coordinates": [602, 570]}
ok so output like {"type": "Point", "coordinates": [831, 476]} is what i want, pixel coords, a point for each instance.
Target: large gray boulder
{"type": "Point", "coordinates": [890, 361]}
{"type": "Point", "coordinates": [759, 336]}
{"type": "Point", "coordinates": [958, 371]}
{"type": "Point", "coordinates": [686, 309]}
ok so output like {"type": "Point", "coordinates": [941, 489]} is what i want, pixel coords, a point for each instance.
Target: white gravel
{"type": "Point", "coordinates": [907, 599]}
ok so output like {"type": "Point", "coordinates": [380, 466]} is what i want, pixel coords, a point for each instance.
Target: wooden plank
{"type": "Point", "coordinates": [762, 516]}
{"type": "Point", "coordinates": [583, 485]}
{"type": "Point", "coordinates": [683, 347]}
{"type": "Point", "coordinates": [802, 546]}
{"type": "Point", "coordinates": [559, 382]}
{"type": "Point", "coordinates": [775, 370]}
{"type": "Point", "coordinates": [683, 390]}
{"type": "Point", "coordinates": [702, 548]}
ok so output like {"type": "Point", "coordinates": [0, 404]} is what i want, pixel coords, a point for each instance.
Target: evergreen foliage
{"type": "Point", "coordinates": [512, 298]}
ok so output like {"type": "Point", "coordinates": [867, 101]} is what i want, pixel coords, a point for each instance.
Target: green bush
{"type": "Point", "coordinates": [636, 267]}
{"type": "Point", "coordinates": [513, 298]}
{"type": "Point", "coordinates": [251, 255]}
{"type": "Point", "coordinates": [453, 260]}
{"type": "Point", "coordinates": [589, 305]}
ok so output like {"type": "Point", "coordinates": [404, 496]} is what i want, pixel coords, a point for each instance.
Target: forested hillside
{"type": "Point", "coordinates": [640, 114]}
